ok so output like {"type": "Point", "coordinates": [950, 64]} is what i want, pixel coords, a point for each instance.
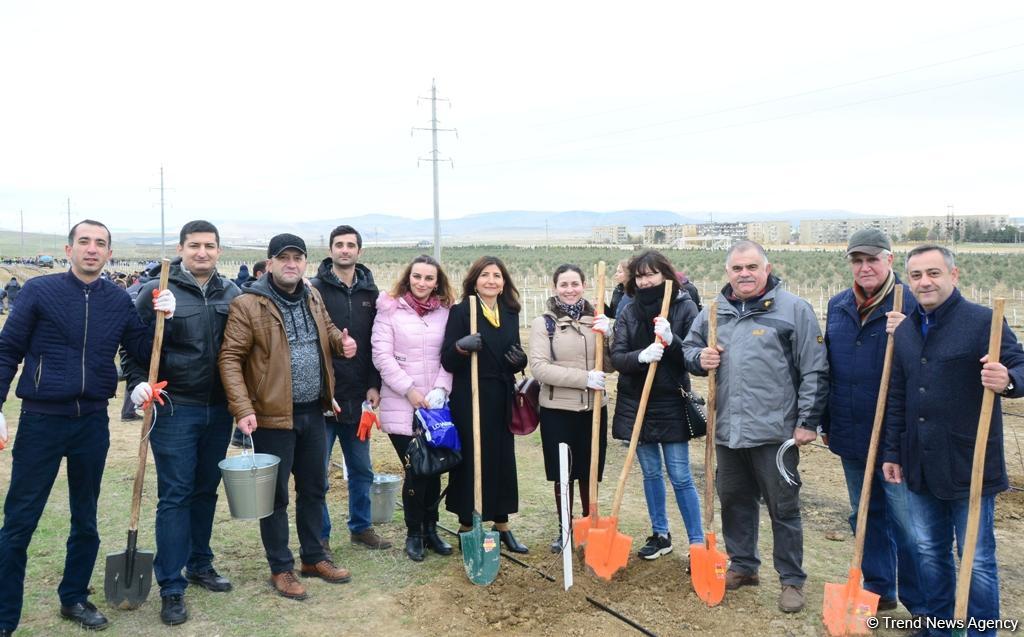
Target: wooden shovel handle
{"type": "Point", "coordinates": [963, 581]}
{"type": "Point", "coordinates": [709, 440]}
{"type": "Point", "coordinates": [474, 375]}
{"type": "Point", "coordinates": [595, 425]}
{"type": "Point", "coordinates": [876, 430]}
{"type": "Point", "coordinates": [147, 419]}
{"type": "Point", "coordinates": [641, 410]}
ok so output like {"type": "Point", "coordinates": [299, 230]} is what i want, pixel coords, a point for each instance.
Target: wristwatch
{"type": "Point", "coordinates": [1008, 390]}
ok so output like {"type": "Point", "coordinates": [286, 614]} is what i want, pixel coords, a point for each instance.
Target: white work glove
{"type": "Point", "coordinates": [164, 302]}
{"type": "Point", "coordinates": [141, 394]}
{"type": "Point", "coordinates": [3, 431]}
{"type": "Point", "coordinates": [663, 329]}
{"type": "Point", "coordinates": [652, 353]}
{"type": "Point", "coordinates": [595, 379]}
{"type": "Point", "coordinates": [602, 324]}
{"type": "Point", "coordinates": [436, 397]}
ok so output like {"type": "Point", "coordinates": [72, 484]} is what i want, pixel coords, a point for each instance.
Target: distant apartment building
{"type": "Point", "coordinates": [770, 232]}
{"type": "Point", "coordinates": [662, 234]}
{"type": "Point", "coordinates": [735, 231]}
{"type": "Point", "coordinates": [609, 234]}
{"type": "Point", "coordinates": [839, 230]}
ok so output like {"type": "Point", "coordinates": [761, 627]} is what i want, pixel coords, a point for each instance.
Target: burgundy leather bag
{"type": "Point", "coordinates": [525, 407]}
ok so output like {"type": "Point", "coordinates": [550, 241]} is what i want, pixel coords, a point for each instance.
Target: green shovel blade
{"type": "Point", "coordinates": [481, 553]}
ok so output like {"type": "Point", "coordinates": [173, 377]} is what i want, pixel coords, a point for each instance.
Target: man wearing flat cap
{"type": "Point", "coordinates": [855, 335]}
{"type": "Point", "coordinates": [275, 365]}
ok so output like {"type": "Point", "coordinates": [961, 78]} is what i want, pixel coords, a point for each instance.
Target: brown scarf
{"type": "Point", "coordinates": [866, 304]}
{"type": "Point", "coordinates": [429, 304]}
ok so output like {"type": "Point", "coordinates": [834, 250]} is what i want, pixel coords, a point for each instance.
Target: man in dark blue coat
{"type": "Point", "coordinates": [67, 330]}
{"type": "Point", "coordinates": [855, 335]}
{"type": "Point", "coordinates": [940, 372]}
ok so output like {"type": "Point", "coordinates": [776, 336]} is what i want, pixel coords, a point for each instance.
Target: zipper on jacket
{"type": "Point", "coordinates": [39, 372]}
{"type": "Point", "coordinates": [85, 341]}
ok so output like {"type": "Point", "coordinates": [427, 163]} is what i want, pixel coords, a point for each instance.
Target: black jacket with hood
{"type": "Point", "coordinates": [353, 308]}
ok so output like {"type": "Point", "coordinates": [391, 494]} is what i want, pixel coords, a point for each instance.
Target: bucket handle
{"type": "Point", "coordinates": [252, 450]}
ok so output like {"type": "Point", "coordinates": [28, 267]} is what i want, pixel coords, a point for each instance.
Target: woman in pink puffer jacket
{"type": "Point", "coordinates": [407, 337]}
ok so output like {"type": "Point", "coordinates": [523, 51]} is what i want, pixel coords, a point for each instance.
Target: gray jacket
{"type": "Point", "coordinates": [774, 371]}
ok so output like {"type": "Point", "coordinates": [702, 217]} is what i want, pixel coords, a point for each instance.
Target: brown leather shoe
{"type": "Point", "coordinates": [368, 537]}
{"type": "Point", "coordinates": [287, 585]}
{"type": "Point", "coordinates": [735, 579]}
{"type": "Point", "coordinates": [327, 571]}
{"type": "Point", "coordinates": [791, 599]}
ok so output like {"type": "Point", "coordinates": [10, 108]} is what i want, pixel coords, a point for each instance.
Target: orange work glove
{"type": "Point", "coordinates": [366, 422]}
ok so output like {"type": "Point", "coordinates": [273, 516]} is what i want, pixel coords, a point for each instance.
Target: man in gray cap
{"type": "Point", "coordinates": [275, 364]}
{"type": "Point", "coordinates": [855, 335]}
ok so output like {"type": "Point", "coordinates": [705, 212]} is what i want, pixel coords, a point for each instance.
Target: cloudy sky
{"type": "Point", "coordinates": [304, 110]}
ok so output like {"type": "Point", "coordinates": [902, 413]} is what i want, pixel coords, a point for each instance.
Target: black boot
{"type": "Point", "coordinates": [434, 541]}
{"type": "Point", "coordinates": [414, 545]}
{"type": "Point", "coordinates": [510, 541]}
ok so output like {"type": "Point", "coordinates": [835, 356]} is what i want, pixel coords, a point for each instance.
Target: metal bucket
{"type": "Point", "coordinates": [383, 492]}
{"type": "Point", "coordinates": [250, 480]}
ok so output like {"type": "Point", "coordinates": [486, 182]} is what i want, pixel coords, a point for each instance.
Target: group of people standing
{"type": "Point", "coordinates": [293, 362]}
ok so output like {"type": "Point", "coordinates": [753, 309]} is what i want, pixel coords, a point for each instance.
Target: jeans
{"type": "Point", "coordinates": [301, 450]}
{"type": "Point", "coordinates": [188, 441]}
{"type": "Point", "coordinates": [360, 474]}
{"type": "Point", "coordinates": [937, 522]}
{"type": "Point", "coordinates": [677, 463]}
{"type": "Point", "coordinates": [890, 544]}
{"type": "Point", "coordinates": [743, 475]}
{"type": "Point", "coordinates": [42, 442]}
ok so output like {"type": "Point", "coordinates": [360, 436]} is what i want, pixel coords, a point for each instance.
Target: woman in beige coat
{"type": "Point", "coordinates": [562, 353]}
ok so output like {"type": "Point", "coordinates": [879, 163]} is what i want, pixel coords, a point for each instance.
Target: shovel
{"type": "Point", "coordinates": [481, 552]}
{"type": "Point", "coordinates": [129, 574]}
{"type": "Point", "coordinates": [607, 550]}
{"type": "Point", "coordinates": [846, 607]}
{"type": "Point", "coordinates": [581, 528]}
{"type": "Point", "coordinates": [707, 563]}
{"type": "Point", "coordinates": [963, 580]}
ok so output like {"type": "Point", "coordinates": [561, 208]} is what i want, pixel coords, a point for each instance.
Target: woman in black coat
{"type": "Point", "coordinates": [500, 357]}
{"type": "Point", "coordinates": [664, 432]}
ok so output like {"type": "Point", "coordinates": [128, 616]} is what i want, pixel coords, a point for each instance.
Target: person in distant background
{"type": "Point", "coordinates": [13, 288]}
{"type": "Point", "coordinates": [619, 297]}
{"type": "Point", "coordinates": [243, 275]}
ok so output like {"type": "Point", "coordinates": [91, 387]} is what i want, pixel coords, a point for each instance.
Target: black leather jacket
{"type": "Point", "coordinates": [192, 339]}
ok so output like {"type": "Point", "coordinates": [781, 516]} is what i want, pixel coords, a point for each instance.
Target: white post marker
{"type": "Point", "coordinates": [565, 495]}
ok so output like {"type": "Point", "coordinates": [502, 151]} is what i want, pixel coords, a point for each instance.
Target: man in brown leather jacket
{"type": "Point", "coordinates": [275, 365]}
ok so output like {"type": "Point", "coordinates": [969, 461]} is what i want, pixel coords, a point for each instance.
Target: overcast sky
{"type": "Point", "coordinates": [303, 110]}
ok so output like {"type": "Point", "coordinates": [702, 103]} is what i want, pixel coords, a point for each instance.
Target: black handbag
{"type": "Point", "coordinates": [696, 419]}
{"type": "Point", "coordinates": [424, 461]}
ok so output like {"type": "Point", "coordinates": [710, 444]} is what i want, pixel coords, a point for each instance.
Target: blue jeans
{"type": "Point", "coordinates": [937, 522]}
{"type": "Point", "coordinates": [188, 441]}
{"type": "Point", "coordinates": [40, 445]}
{"type": "Point", "coordinates": [890, 545]}
{"type": "Point", "coordinates": [677, 462]}
{"type": "Point", "coordinates": [360, 474]}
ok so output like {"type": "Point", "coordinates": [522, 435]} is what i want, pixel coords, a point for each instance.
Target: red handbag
{"type": "Point", "coordinates": [525, 407]}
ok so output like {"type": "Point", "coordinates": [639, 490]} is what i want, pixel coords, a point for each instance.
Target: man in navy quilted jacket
{"type": "Point", "coordinates": [855, 335]}
{"type": "Point", "coordinates": [67, 330]}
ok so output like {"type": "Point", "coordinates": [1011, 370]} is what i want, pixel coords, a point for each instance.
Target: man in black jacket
{"type": "Point", "coordinates": [193, 425]}
{"type": "Point", "coordinates": [350, 295]}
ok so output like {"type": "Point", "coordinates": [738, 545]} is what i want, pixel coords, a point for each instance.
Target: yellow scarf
{"type": "Point", "coordinates": [491, 315]}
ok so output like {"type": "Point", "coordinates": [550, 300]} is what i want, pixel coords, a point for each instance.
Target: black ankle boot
{"type": "Point", "coordinates": [510, 541]}
{"type": "Point", "coordinates": [414, 545]}
{"type": "Point", "coordinates": [433, 541]}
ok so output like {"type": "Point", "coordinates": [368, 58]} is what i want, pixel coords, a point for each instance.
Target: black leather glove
{"type": "Point", "coordinates": [516, 357]}
{"type": "Point", "coordinates": [470, 343]}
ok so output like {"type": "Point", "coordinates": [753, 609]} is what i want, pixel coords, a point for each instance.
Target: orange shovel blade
{"type": "Point", "coordinates": [846, 607]}
{"type": "Point", "coordinates": [582, 527]}
{"type": "Point", "coordinates": [607, 550]}
{"type": "Point", "coordinates": [707, 571]}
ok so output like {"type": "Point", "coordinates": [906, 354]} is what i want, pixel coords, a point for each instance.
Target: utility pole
{"type": "Point", "coordinates": [434, 159]}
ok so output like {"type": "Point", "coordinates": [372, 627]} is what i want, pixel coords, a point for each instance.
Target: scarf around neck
{"type": "Point", "coordinates": [493, 316]}
{"type": "Point", "coordinates": [649, 300]}
{"type": "Point", "coordinates": [574, 311]}
{"type": "Point", "coordinates": [866, 304]}
{"type": "Point", "coordinates": [423, 307]}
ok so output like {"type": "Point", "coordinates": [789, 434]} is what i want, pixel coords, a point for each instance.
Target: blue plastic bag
{"type": "Point", "coordinates": [438, 428]}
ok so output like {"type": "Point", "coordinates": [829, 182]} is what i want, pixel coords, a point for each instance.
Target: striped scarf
{"type": "Point", "coordinates": [866, 304]}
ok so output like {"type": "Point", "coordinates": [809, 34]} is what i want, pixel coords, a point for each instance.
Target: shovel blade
{"type": "Point", "coordinates": [607, 550]}
{"type": "Point", "coordinates": [582, 527]}
{"type": "Point", "coordinates": [707, 571]}
{"type": "Point", "coordinates": [846, 607]}
{"type": "Point", "coordinates": [481, 553]}
{"type": "Point", "coordinates": [126, 582]}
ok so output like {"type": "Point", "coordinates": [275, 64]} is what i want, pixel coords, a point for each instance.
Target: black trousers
{"type": "Point", "coordinates": [420, 496]}
{"type": "Point", "coordinates": [301, 450]}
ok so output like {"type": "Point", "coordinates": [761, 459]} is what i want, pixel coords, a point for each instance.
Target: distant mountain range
{"type": "Point", "coordinates": [505, 225]}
